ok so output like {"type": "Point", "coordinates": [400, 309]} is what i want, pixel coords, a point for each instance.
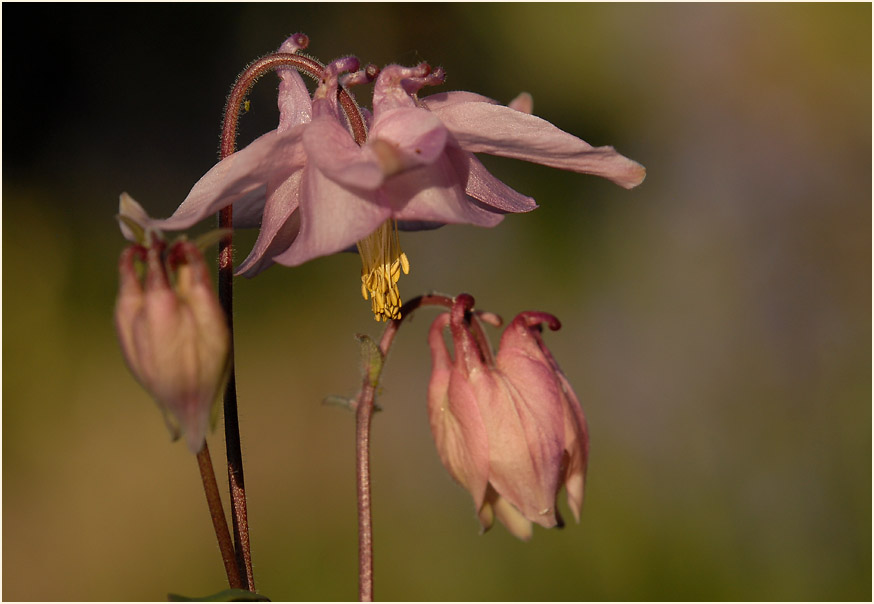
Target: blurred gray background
{"type": "Point", "coordinates": [717, 323]}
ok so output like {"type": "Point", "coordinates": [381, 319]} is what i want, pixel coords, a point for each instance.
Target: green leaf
{"type": "Point", "coordinates": [339, 401]}
{"type": "Point", "coordinates": [228, 595]}
{"type": "Point", "coordinates": [345, 402]}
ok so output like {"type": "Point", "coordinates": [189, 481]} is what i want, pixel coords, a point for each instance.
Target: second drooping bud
{"type": "Point", "coordinates": [508, 428]}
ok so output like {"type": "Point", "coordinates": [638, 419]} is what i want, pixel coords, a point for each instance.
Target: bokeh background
{"type": "Point", "coordinates": [717, 322]}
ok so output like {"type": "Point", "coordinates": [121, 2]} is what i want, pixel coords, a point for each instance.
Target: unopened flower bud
{"type": "Point", "coordinates": [173, 334]}
{"type": "Point", "coordinates": [509, 429]}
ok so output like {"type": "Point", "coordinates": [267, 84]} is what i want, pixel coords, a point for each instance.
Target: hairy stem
{"type": "Point", "coordinates": [233, 447]}
{"type": "Point", "coordinates": [243, 84]}
{"type": "Point", "coordinates": [363, 420]}
{"type": "Point", "coordinates": [363, 417]}
{"type": "Point", "coordinates": [271, 62]}
{"type": "Point", "coordinates": [226, 296]}
{"type": "Point", "coordinates": [214, 501]}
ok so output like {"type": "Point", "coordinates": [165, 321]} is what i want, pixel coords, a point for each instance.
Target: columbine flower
{"type": "Point", "coordinates": [173, 333]}
{"type": "Point", "coordinates": [317, 191]}
{"type": "Point", "coordinates": [509, 428]}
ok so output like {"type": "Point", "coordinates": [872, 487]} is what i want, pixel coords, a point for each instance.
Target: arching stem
{"type": "Point", "coordinates": [238, 94]}
{"type": "Point", "coordinates": [239, 516]}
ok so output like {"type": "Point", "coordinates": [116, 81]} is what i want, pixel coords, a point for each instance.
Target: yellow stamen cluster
{"type": "Point", "coordinates": [381, 264]}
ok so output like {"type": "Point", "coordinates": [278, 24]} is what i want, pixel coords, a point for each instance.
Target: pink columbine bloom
{"type": "Point", "coordinates": [509, 429]}
{"type": "Point", "coordinates": [314, 191]}
{"type": "Point", "coordinates": [174, 336]}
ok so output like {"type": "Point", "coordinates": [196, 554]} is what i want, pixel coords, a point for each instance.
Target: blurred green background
{"type": "Point", "coordinates": [717, 322]}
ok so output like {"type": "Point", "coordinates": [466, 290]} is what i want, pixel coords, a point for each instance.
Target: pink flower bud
{"type": "Point", "coordinates": [509, 429]}
{"type": "Point", "coordinates": [174, 337]}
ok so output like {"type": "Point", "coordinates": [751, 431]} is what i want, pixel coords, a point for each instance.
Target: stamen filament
{"type": "Point", "coordinates": [381, 264]}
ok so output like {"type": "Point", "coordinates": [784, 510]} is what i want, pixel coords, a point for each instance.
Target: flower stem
{"type": "Point", "coordinates": [233, 445]}
{"type": "Point", "coordinates": [244, 82]}
{"type": "Point", "coordinates": [363, 417]}
{"type": "Point", "coordinates": [214, 501]}
{"type": "Point", "coordinates": [363, 420]}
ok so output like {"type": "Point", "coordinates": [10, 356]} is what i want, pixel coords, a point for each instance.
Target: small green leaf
{"type": "Point", "coordinates": [228, 595]}
{"type": "Point", "coordinates": [345, 402]}
{"type": "Point", "coordinates": [339, 401]}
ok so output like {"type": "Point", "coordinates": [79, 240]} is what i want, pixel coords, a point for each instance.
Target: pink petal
{"type": "Point", "coordinates": [518, 525]}
{"type": "Point", "coordinates": [279, 226]}
{"type": "Point", "coordinates": [577, 447]}
{"type": "Point", "coordinates": [526, 442]}
{"type": "Point", "coordinates": [331, 219]}
{"type": "Point", "coordinates": [455, 421]}
{"type": "Point", "coordinates": [416, 135]}
{"type": "Point", "coordinates": [438, 101]}
{"type": "Point", "coordinates": [434, 194]}
{"type": "Point", "coordinates": [248, 209]}
{"type": "Point", "coordinates": [241, 177]}
{"type": "Point", "coordinates": [484, 128]}
{"type": "Point", "coordinates": [479, 183]}
{"type": "Point", "coordinates": [295, 105]}
{"type": "Point", "coordinates": [331, 148]}
{"type": "Point", "coordinates": [390, 91]}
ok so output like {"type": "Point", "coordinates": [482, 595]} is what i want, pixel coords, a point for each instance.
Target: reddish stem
{"type": "Point", "coordinates": [214, 501]}
{"type": "Point", "coordinates": [363, 420]}
{"type": "Point", "coordinates": [241, 88]}
{"type": "Point", "coordinates": [226, 297]}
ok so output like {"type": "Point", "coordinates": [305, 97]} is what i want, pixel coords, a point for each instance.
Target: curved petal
{"type": "Point", "coordinates": [483, 128]}
{"type": "Point", "coordinates": [331, 148]}
{"type": "Point", "coordinates": [482, 186]}
{"type": "Point", "coordinates": [416, 135]}
{"type": "Point", "coordinates": [526, 441]}
{"type": "Point", "coordinates": [434, 194]}
{"type": "Point", "coordinates": [278, 228]}
{"type": "Point", "coordinates": [239, 178]}
{"type": "Point", "coordinates": [295, 105]}
{"type": "Point", "coordinates": [248, 209]}
{"type": "Point", "coordinates": [389, 91]}
{"type": "Point", "coordinates": [510, 517]}
{"type": "Point", "coordinates": [577, 446]}
{"type": "Point", "coordinates": [455, 422]}
{"type": "Point", "coordinates": [438, 101]}
{"type": "Point", "coordinates": [331, 218]}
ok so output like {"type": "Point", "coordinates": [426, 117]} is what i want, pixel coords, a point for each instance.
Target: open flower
{"type": "Point", "coordinates": [508, 428]}
{"type": "Point", "coordinates": [173, 333]}
{"type": "Point", "coordinates": [315, 190]}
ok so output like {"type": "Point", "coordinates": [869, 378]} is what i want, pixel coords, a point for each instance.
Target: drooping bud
{"type": "Point", "coordinates": [510, 430]}
{"type": "Point", "coordinates": [173, 334]}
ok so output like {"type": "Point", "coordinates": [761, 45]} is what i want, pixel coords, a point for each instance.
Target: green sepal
{"type": "Point", "coordinates": [228, 595]}
{"type": "Point", "coordinates": [134, 227]}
